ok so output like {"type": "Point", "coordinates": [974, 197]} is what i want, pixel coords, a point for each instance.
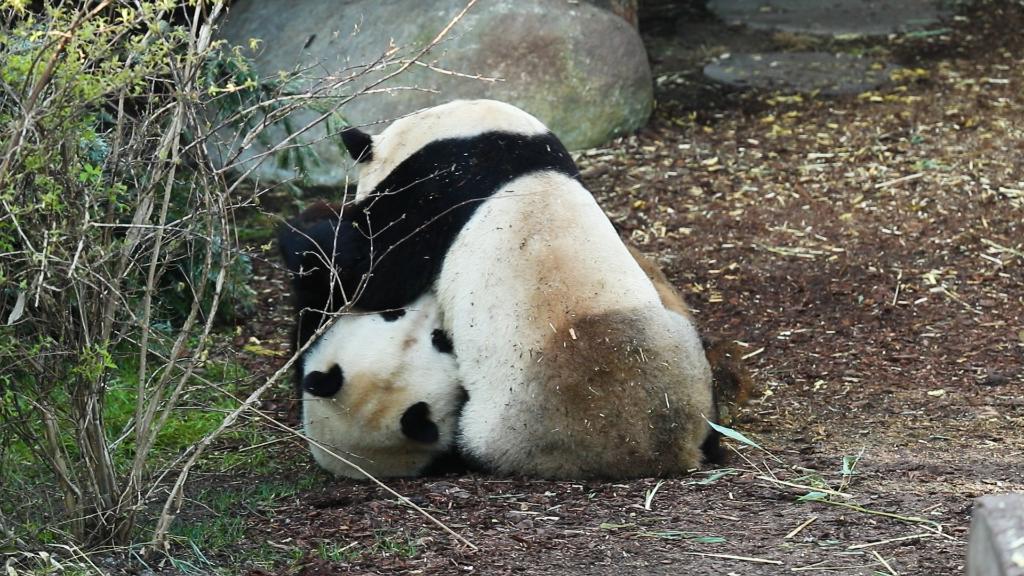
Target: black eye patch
{"type": "Point", "coordinates": [324, 384]}
{"type": "Point", "coordinates": [417, 425]}
{"type": "Point", "coordinates": [392, 315]}
{"type": "Point", "coordinates": [442, 343]}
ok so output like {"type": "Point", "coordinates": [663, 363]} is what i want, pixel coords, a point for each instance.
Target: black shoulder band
{"type": "Point", "coordinates": [416, 212]}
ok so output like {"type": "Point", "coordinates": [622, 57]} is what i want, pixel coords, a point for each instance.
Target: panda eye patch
{"type": "Point", "coordinates": [442, 343]}
{"type": "Point", "coordinates": [324, 384]}
{"type": "Point", "coordinates": [392, 315]}
{"type": "Point", "coordinates": [417, 425]}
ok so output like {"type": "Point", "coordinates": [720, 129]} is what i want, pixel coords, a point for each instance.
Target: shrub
{"type": "Point", "coordinates": [116, 239]}
{"type": "Point", "coordinates": [118, 242]}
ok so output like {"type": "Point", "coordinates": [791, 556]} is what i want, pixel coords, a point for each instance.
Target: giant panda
{"type": "Point", "coordinates": [380, 390]}
{"type": "Point", "coordinates": [573, 367]}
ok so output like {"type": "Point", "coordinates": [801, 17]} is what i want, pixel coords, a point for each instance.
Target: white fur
{"type": "Point", "coordinates": [456, 119]}
{"type": "Point", "coordinates": [388, 367]}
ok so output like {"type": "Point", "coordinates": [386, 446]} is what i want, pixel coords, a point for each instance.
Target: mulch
{"type": "Point", "coordinates": [868, 252]}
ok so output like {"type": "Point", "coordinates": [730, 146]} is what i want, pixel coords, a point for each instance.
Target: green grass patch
{"type": "Point", "coordinates": [201, 410]}
{"type": "Point", "coordinates": [385, 544]}
{"type": "Point", "coordinates": [27, 494]}
{"type": "Point", "coordinates": [391, 545]}
{"type": "Point", "coordinates": [215, 534]}
{"type": "Point", "coordinates": [334, 552]}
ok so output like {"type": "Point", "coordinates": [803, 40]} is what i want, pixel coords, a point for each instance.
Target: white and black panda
{"type": "Point", "coordinates": [382, 391]}
{"type": "Point", "coordinates": [573, 366]}
{"type": "Point", "coordinates": [378, 389]}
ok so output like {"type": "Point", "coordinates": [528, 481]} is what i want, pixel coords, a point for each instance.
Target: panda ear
{"type": "Point", "coordinates": [358, 143]}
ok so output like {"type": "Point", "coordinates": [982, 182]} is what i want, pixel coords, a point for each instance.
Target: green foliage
{"type": "Point", "coordinates": [334, 552]}
{"type": "Point", "coordinates": [247, 101]}
{"type": "Point", "coordinates": [213, 534]}
{"type": "Point", "coordinates": [237, 299]}
{"type": "Point", "coordinates": [114, 232]}
{"type": "Point", "coordinates": [387, 544]}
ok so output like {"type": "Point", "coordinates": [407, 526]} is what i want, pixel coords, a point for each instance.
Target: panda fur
{"type": "Point", "coordinates": [732, 383]}
{"type": "Point", "coordinates": [382, 391]}
{"type": "Point", "coordinates": [573, 366]}
{"type": "Point", "coordinates": [306, 243]}
{"type": "Point", "coordinates": [357, 388]}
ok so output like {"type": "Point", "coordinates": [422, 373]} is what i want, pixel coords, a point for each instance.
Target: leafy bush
{"type": "Point", "coordinates": [116, 239]}
{"type": "Point", "coordinates": [118, 247]}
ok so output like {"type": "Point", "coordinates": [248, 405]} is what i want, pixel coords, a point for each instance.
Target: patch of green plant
{"type": "Point", "coordinates": [257, 228]}
{"type": "Point", "coordinates": [219, 529]}
{"type": "Point", "coordinates": [269, 557]}
{"type": "Point", "coordinates": [386, 544]}
{"type": "Point", "coordinates": [201, 412]}
{"type": "Point", "coordinates": [181, 283]}
{"type": "Point", "coordinates": [334, 552]}
{"type": "Point", "coordinates": [212, 534]}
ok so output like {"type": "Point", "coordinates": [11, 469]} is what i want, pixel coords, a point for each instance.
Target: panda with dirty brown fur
{"type": "Point", "coordinates": [573, 366]}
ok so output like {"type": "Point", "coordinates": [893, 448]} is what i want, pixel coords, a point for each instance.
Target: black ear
{"type": "Point", "coordinates": [416, 424]}
{"type": "Point", "coordinates": [358, 143]}
{"type": "Point", "coordinates": [323, 384]}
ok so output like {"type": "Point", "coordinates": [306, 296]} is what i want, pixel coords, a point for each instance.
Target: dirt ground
{"type": "Point", "coordinates": [868, 252]}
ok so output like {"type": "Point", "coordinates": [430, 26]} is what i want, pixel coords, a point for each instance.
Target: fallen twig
{"type": "Point", "coordinates": [805, 487]}
{"type": "Point", "coordinates": [888, 541]}
{"type": "Point", "coordinates": [734, 557]}
{"type": "Point", "coordinates": [899, 180]}
{"type": "Point", "coordinates": [800, 528]}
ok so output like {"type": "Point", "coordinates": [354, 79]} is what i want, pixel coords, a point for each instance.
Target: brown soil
{"type": "Point", "coordinates": [869, 252]}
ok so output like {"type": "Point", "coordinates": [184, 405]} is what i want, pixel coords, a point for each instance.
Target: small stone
{"type": "Point", "coordinates": [995, 379]}
{"type": "Point", "coordinates": [441, 487]}
{"type": "Point", "coordinates": [526, 524]}
{"type": "Point", "coordinates": [996, 543]}
{"type": "Point", "coordinates": [833, 17]}
{"type": "Point", "coordinates": [827, 74]}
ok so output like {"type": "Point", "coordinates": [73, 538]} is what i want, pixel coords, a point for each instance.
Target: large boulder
{"type": "Point", "coordinates": [581, 70]}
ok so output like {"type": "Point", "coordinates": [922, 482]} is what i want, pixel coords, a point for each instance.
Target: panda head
{"type": "Point", "coordinates": [378, 156]}
{"type": "Point", "coordinates": [382, 391]}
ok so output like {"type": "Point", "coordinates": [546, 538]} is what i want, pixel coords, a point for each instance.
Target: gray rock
{"type": "Point", "coordinates": [996, 543]}
{"type": "Point", "coordinates": [581, 70]}
{"type": "Point", "coordinates": [833, 17]}
{"type": "Point", "coordinates": [828, 74]}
